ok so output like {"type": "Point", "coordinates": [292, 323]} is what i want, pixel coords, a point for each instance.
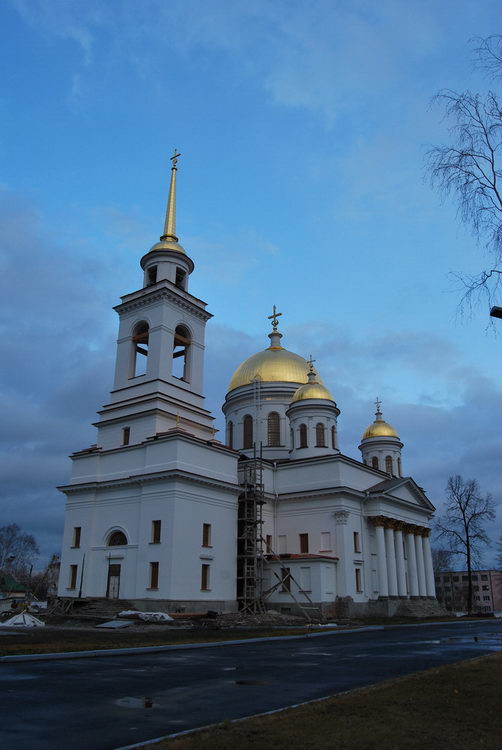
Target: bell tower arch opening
{"type": "Point", "coordinates": [181, 353]}
{"type": "Point", "coordinates": [140, 338]}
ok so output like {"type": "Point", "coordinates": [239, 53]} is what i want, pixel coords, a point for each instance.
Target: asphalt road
{"type": "Point", "coordinates": [99, 703]}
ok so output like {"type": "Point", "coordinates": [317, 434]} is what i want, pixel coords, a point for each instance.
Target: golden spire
{"type": "Point", "coordinates": [170, 222]}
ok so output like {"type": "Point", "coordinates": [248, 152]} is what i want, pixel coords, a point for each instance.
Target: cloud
{"type": "Point", "coordinates": [323, 57]}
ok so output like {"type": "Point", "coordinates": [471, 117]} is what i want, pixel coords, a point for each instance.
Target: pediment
{"type": "Point", "coordinates": [401, 488]}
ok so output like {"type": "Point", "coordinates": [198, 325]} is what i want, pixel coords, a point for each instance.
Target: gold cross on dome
{"type": "Point", "coordinates": [378, 404]}
{"type": "Point", "coordinates": [274, 317]}
{"type": "Point", "coordinates": [174, 158]}
{"type": "Point", "coordinates": [311, 363]}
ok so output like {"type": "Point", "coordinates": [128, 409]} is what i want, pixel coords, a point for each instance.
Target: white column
{"type": "Point", "coordinates": [422, 587]}
{"type": "Point", "coordinates": [429, 569]}
{"type": "Point", "coordinates": [391, 561]}
{"type": "Point", "coordinates": [344, 584]}
{"type": "Point", "coordinates": [412, 564]}
{"type": "Point", "coordinates": [383, 584]}
{"type": "Point", "coordinates": [401, 570]}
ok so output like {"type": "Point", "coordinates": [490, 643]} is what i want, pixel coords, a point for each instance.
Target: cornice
{"type": "Point", "coordinates": [142, 479]}
{"type": "Point", "coordinates": [159, 295]}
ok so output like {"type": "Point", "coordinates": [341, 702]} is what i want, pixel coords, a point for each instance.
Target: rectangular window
{"type": "Point", "coordinates": [73, 577]}
{"type": "Point", "coordinates": [486, 598]}
{"type": "Point", "coordinates": [269, 542]}
{"type": "Point", "coordinates": [286, 579]}
{"type": "Point", "coordinates": [154, 575]}
{"type": "Point", "coordinates": [126, 435]}
{"type": "Point", "coordinates": [206, 534]}
{"type": "Point", "coordinates": [305, 581]}
{"type": "Point", "coordinates": [304, 543]}
{"type": "Point", "coordinates": [477, 597]}
{"type": "Point", "coordinates": [357, 542]}
{"type": "Point", "coordinates": [77, 531]}
{"type": "Point", "coordinates": [156, 527]}
{"type": "Point", "coordinates": [359, 587]}
{"type": "Point", "coordinates": [325, 541]}
{"type": "Point", "coordinates": [476, 588]}
{"type": "Point", "coordinates": [204, 577]}
{"type": "Point", "coordinates": [474, 578]}
{"type": "Point", "coordinates": [486, 588]}
{"type": "Point", "coordinates": [484, 578]}
{"type": "Point", "coordinates": [282, 539]}
{"type": "Point", "coordinates": [152, 275]}
{"type": "Point", "coordinates": [455, 578]}
{"type": "Point", "coordinates": [465, 578]}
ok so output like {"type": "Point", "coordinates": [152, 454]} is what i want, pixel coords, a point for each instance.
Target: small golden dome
{"type": "Point", "coordinates": [174, 247]}
{"type": "Point", "coordinates": [379, 428]}
{"type": "Point", "coordinates": [312, 390]}
{"type": "Point", "coordinates": [274, 364]}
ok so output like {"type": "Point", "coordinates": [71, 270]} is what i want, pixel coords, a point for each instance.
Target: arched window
{"type": "Point", "coordinates": [230, 434]}
{"type": "Point", "coordinates": [333, 437]}
{"type": "Point", "coordinates": [399, 466]}
{"type": "Point", "coordinates": [247, 441]}
{"type": "Point", "coordinates": [303, 436]}
{"type": "Point", "coordinates": [320, 435]}
{"type": "Point", "coordinates": [117, 539]}
{"type": "Point", "coordinates": [388, 464]}
{"type": "Point", "coordinates": [140, 349]}
{"type": "Point", "coordinates": [374, 462]}
{"type": "Point", "coordinates": [273, 429]}
{"type": "Point", "coordinates": [181, 346]}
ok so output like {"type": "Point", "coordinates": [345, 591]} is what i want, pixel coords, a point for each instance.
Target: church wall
{"type": "Point", "coordinates": [315, 579]}
{"type": "Point", "coordinates": [179, 505]}
{"type": "Point", "coordinates": [157, 455]}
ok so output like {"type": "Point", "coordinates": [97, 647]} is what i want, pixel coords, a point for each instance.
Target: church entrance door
{"type": "Point", "coordinates": [113, 587]}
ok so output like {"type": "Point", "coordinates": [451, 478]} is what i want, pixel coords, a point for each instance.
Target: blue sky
{"type": "Point", "coordinates": [303, 126]}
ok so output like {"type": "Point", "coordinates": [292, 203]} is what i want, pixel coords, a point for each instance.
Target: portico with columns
{"type": "Point", "coordinates": [404, 559]}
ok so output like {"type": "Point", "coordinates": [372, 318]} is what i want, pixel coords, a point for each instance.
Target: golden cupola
{"type": "Point", "coordinates": [274, 364]}
{"type": "Point", "coordinates": [379, 428]}
{"type": "Point", "coordinates": [312, 389]}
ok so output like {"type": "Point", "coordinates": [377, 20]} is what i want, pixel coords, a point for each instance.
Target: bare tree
{"type": "Point", "coordinates": [470, 168]}
{"type": "Point", "coordinates": [462, 524]}
{"type": "Point", "coordinates": [18, 550]}
{"type": "Point", "coordinates": [441, 559]}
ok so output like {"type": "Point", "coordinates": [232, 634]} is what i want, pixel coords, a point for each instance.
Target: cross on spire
{"type": "Point", "coordinates": [311, 363]}
{"type": "Point", "coordinates": [378, 404]}
{"type": "Point", "coordinates": [174, 159]}
{"type": "Point", "coordinates": [274, 317]}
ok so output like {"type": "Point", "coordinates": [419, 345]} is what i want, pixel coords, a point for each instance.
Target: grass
{"type": "Point", "coordinates": [456, 707]}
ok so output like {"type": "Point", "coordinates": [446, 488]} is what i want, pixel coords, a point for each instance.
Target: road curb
{"type": "Point", "coordinates": [209, 644]}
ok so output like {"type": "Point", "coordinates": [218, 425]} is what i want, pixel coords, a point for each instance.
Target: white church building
{"type": "Point", "coordinates": [162, 514]}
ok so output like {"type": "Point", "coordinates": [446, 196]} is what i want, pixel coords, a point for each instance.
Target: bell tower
{"type": "Point", "coordinates": [160, 348]}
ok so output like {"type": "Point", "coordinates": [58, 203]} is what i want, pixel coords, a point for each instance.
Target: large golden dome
{"type": "Point", "coordinates": [274, 364]}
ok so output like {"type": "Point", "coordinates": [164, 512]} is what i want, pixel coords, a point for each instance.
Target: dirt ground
{"type": "Point", "coordinates": [64, 633]}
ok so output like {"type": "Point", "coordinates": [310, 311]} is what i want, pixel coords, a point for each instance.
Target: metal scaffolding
{"type": "Point", "coordinates": [249, 536]}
